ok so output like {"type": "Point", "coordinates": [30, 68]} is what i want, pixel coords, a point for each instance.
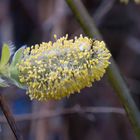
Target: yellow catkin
{"type": "Point", "coordinates": [56, 70]}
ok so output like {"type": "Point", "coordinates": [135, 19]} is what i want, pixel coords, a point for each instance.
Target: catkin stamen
{"type": "Point", "coordinates": [55, 70]}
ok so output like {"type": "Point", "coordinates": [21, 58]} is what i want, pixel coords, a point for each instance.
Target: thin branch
{"type": "Point", "coordinates": [102, 11]}
{"type": "Point", "coordinates": [113, 72]}
{"type": "Point", "coordinates": [10, 119]}
{"type": "Point", "coordinates": [68, 111]}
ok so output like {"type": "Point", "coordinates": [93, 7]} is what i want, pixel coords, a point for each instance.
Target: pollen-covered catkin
{"type": "Point", "coordinates": [55, 70]}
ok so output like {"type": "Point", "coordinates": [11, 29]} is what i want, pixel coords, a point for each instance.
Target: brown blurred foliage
{"type": "Point", "coordinates": [30, 22]}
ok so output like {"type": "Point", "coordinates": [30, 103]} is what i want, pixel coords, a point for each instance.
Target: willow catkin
{"type": "Point", "coordinates": [55, 70]}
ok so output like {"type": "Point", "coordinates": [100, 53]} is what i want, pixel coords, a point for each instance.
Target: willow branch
{"type": "Point", "coordinates": [113, 72]}
{"type": "Point", "coordinates": [102, 11]}
{"type": "Point", "coordinates": [67, 111]}
{"type": "Point", "coordinates": [9, 117]}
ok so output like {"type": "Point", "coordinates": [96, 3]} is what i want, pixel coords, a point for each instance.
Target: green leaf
{"type": "Point", "coordinates": [14, 76]}
{"type": "Point", "coordinates": [5, 55]}
{"type": "Point", "coordinates": [14, 73]}
{"type": "Point", "coordinates": [3, 83]}
{"type": "Point", "coordinates": [17, 56]}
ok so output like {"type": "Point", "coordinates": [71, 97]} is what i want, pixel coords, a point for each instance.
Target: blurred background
{"type": "Point", "coordinates": [27, 22]}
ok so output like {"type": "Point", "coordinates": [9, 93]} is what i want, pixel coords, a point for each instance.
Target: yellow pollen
{"type": "Point", "coordinates": [56, 70]}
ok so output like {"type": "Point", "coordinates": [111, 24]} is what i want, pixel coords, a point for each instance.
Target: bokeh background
{"type": "Point", "coordinates": [27, 22]}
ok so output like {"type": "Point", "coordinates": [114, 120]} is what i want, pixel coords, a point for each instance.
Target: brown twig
{"type": "Point", "coordinates": [9, 117]}
{"type": "Point", "coordinates": [67, 111]}
{"type": "Point", "coordinates": [102, 11]}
